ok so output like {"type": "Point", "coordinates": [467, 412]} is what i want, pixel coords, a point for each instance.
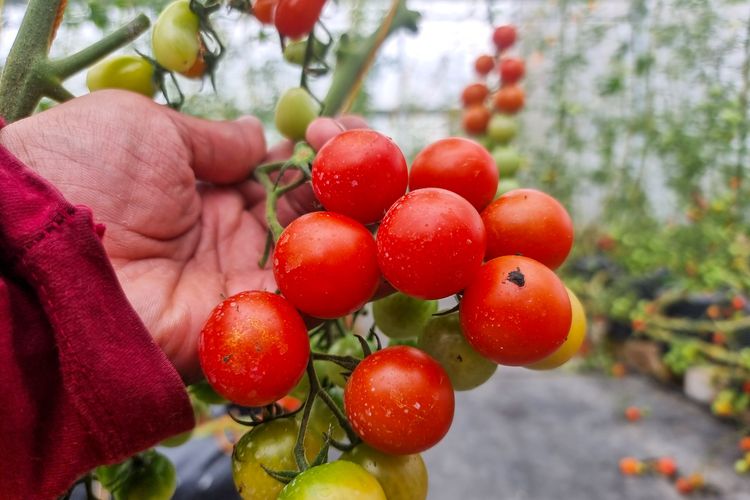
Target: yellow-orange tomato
{"type": "Point", "coordinates": [509, 99]}
{"type": "Point", "coordinates": [474, 93]}
{"type": "Point", "coordinates": [475, 120]}
{"type": "Point", "coordinates": [576, 335]}
{"type": "Point", "coordinates": [484, 64]}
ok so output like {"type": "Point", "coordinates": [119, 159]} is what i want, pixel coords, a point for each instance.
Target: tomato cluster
{"type": "Point", "coordinates": [491, 103]}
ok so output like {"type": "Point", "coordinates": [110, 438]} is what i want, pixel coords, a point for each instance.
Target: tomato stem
{"type": "Point", "coordinates": [299, 445]}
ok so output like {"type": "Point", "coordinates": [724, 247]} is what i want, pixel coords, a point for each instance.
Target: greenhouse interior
{"type": "Point", "coordinates": [384, 249]}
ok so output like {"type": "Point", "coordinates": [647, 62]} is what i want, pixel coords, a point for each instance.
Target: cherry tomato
{"type": "Point", "coordinates": [263, 10]}
{"type": "Point", "coordinates": [512, 70]}
{"type": "Point", "coordinates": [198, 69]}
{"type": "Point", "coordinates": [402, 477]}
{"type": "Point", "coordinates": [530, 223]}
{"type": "Point", "coordinates": [269, 445]}
{"type": "Point", "coordinates": [399, 400]}
{"type": "Point", "coordinates": [126, 72]}
{"type": "Point", "coordinates": [359, 173]}
{"type": "Point", "coordinates": [338, 480]}
{"type": "Point", "coordinates": [254, 348]}
{"type": "Point", "coordinates": [502, 128]}
{"type": "Point", "coordinates": [474, 94]}
{"type": "Point", "coordinates": [295, 110]}
{"type": "Point", "coordinates": [326, 264]}
{"type": "Point", "coordinates": [431, 243]}
{"type": "Point", "coordinates": [516, 311]}
{"type": "Point", "coordinates": [509, 99]}
{"type": "Point", "coordinates": [297, 18]}
{"type": "Point", "coordinates": [507, 160]}
{"type": "Point", "coordinates": [443, 340]}
{"type": "Point", "coordinates": [459, 165]}
{"type": "Point", "coordinates": [484, 64]}
{"type": "Point", "coordinates": [176, 38]}
{"type": "Point", "coordinates": [148, 476]}
{"type": "Point", "coordinates": [399, 316]}
{"type": "Point", "coordinates": [294, 52]}
{"type": "Point", "coordinates": [504, 37]}
{"type": "Point", "coordinates": [475, 119]}
{"type": "Point", "coordinates": [572, 344]}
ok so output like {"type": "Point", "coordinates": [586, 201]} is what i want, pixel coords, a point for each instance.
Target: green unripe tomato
{"type": "Point", "coordinates": [741, 466]}
{"type": "Point", "coordinates": [411, 342]}
{"type": "Point", "coordinates": [150, 476]}
{"type": "Point", "coordinates": [338, 480]}
{"type": "Point", "coordinates": [506, 185]}
{"type": "Point", "coordinates": [502, 128]}
{"type": "Point", "coordinates": [322, 420]}
{"type": "Point", "coordinates": [403, 477]}
{"type": "Point", "coordinates": [508, 161]}
{"type": "Point", "coordinates": [295, 111]}
{"type": "Point", "coordinates": [443, 340]}
{"type": "Point", "coordinates": [400, 316]}
{"type": "Point", "coordinates": [176, 37]}
{"type": "Point", "coordinates": [271, 445]}
{"type": "Point", "coordinates": [203, 391]}
{"type": "Point", "coordinates": [294, 52]}
{"type": "Point", "coordinates": [126, 72]}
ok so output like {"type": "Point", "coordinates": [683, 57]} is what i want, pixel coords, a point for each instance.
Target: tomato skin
{"type": "Point", "coordinates": [459, 165]}
{"type": "Point", "coordinates": [504, 37]}
{"type": "Point", "coordinates": [443, 340]}
{"type": "Point", "coordinates": [263, 10]}
{"type": "Point", "coordinates": [512, 70]}
{"type": "Point", "coordinates": [338, 480]}
{"type": "Point", "coordinates": [516, 311]}
{"type": "Point", "coordinates": [295, 110]}
{"type": "Point", "coordinates": [475, 119]}
{"type": "Point", "coordinates": [254, 348]}
{"type": "Point", "coordinates": [400, 316]}
{"type": "Point", "coordinates": [326, 264]}
{"type": "Point", "coordinates": [484, 64]}
{"type": "Point", "coordinates": [125, 72]}
{"type": "Point", "coordinates": [297, 18]}
{"type": "Point", "coordinates": [359, 173]}
{"type": "Point", "coordinates": [509, 99]}
{"type": "Point", "coordinates": [530, 223]}
{"type": "Point", "coordinates": [502, 128]}
{"type": "Point", "coordinates": [271, 445]}
{"type": "Point", "coordinates": [474, 93]}
{"type": "Point", "coordinates": [402, 477]}
{"type": "Point", "coordinates": [399, 400]}
{"type": "Point", "coordinates": [176, 39]}
{"type": "Point", "coordinates": [507, 160]}
{"type": "Point", "coordinates": [576, 336]}
{"type": "Point", "coordinates": [456, 246]}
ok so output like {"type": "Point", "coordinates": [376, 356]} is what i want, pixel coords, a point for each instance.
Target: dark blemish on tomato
{"type": "Point", "coordinates": [227, 358]}
{"type": "Point", "coordinates": [459, 358]}
{"type": "Point", "coordinates": [517, 278]}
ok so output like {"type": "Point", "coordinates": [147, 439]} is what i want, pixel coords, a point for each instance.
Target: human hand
{"type": "Point", "coordinates": [176, 244]}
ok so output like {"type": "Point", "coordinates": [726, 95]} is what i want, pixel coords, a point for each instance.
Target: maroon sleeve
{"type": "Point", "coordinates": [82, 381]}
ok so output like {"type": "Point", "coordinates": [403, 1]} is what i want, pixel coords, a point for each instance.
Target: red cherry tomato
{"type": "Point", "coordinates": [297, 18]}
{"type": "Point", "coordinates": [458, 165]}
{"type": "Point", "coordinates": [399, 400]}
{"type": "Point", "coordinates": [263, 10]}
{"type": "Point", "coordinates": [504, 36]}
{"type": "Point", "coordinates": [512, 70]}
{"type": "Point", "coordinates": [475, 119]}
{"type": "Point", "coordinates": [474, 94]}
{"type": "Point", "coordinates": [484, 64]}
{"type": "Point", "coordinates": [326, 265]}
{"type": "Point", "coordinates": [530, 223]}
{"type": "Point", "coordinates": [516, 311]}
{"type": "Point", "coordinates": [509, 99]}
{"type": "Point", "coordinates": [254, 348]}
{"type": "Point", "coordinates": [359, 173]}
{"type": "Point", "coordinates": [431, 243]}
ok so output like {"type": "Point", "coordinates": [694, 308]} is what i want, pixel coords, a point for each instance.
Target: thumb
{"type": "Point", "coordinates": [222, 151]}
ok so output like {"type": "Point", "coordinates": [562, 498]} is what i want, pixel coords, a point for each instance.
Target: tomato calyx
{"type": "Point", "coordinates": [252, 416]}
{"type": "Point", "coordinates": [517, 278]}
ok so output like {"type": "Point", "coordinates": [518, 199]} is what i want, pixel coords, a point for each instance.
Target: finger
{"type": "Point", "coordinates": [222, 152]}
{"type": "Point", "coordinates": [321, 130]}
{"type": "Point", "coordinates": [352, 121]}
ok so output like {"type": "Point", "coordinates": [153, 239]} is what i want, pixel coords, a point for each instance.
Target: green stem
{"type": "Point", "coordinates": [70, 65]}
{"type": "Point", "coordinates": [274, 192]}
{"type": "Point", "coordinates": [356, 55]}
{"type": "Point", "coordinates": [299, 445]}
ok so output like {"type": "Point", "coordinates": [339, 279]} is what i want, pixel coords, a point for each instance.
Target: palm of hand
{"type": "Point", "coordinates": [176, 247]}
